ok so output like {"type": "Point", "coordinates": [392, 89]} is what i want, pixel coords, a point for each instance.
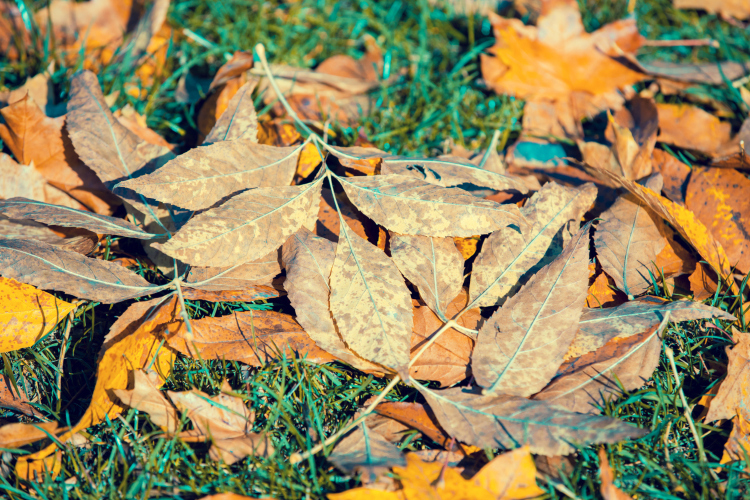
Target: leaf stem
{"type": "Point", "coordinates": [63, 349]}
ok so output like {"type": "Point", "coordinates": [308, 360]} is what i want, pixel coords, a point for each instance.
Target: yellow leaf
{"type": "Point", "coordinates": [309, 159]}
{"type": "Point", "coordinates": [132, 343]}
{"type": "Point", "coordinates": [27, 314]}
{"type": "Point", "coordinates": [35, 470]}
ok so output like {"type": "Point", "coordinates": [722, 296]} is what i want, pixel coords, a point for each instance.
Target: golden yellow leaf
{"type": "Point", "coordinates": [27, 314]}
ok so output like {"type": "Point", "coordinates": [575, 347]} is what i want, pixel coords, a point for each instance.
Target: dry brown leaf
{"type": "Point", "coordinates": [370, 303]}
{"type": "Point", "coordinates": [54, 268]}
{"type": "Point", "coordinates": [509, 257]}
{"type": "Point", "coordinates": [676, 74]}
{"type": "Point", "coordinates": [683, 220]}
{"type": "Point", "coordinates": [520, 347]}
{"type": "Point", "coordinates": [674, 260]}
{"type": "Point", "coordinates": [131, 344]}
{"type": "Point", "coordinates": [136, 123]}
{"type": "Point", "coordinates": [240, 277]}
{"type": "Point", "coordinates": [14, 398]}
{"type": "Point", "coordinates": [253, 223]}
{"type": "Point", "coordinates": [703, 282]}
{"type": "Point", "coordinates": [252, 337]}
{"type": "Point", "coordinates": [416, 416]}
{"type": "Point", "coordinates": [734, 390]}
{"type": "Point", "coordinates": [690, 127]}
{"type": "Point", "coordinates": [608, 489]}
{"type": "Point", "coordinates": [27, 314]}
{"type": "Point", "coordinates": [583, 384]}
{"type": "Point", "coordinates": [239, 120]}
{"type": "Point", "coordinates": [597, 327]}
{"type": "Point", "coordinates": [739, 9]}
{"type": "Point", "coordinates": [447, 359]}
{"type": "Point", "coordinates": [308, 260]}
{"type": "Point", "coordinates": [508, 421]}
{"type": "Point", "coordinates": [226, 83]}
{"type": "Point", "coordinates": [535, 64]}
{"type": "Point", "coordinates": [433, 265]}
{"type": "Point", "coordinates": [248, 294]}
{"type": "Point", "coordinates": [366, 452]}
{"type": "Point", "coordinates": [602, 291]}
{"type": "Point", "coordinates": [718, 198]}
{"type": "Point", "coordinates": [145, 396]}
{"type": "Point", "coordinates": [225, 420]}
{"type": "Point", "coordinates": [628, 240]}
{"type": "Point", "coordinates": [410, 206]}
{"type": "Point", "coordinates": [19, 434]}
{"type": "Point", "coordinates": [32, 137]}
{"type": "Point", "coordinates": [674, 173]}
{"type": "Point", "coordinates": [209, 174]}
{"type": "Point", "coordinates": [328, 224]}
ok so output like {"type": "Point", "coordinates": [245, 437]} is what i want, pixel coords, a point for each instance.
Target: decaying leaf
{"type": "Point", "coordinates": [206, 175]}
{"type": "Point", "coordinates": [628, 240]}
{"type": "Point", "coordinates": [27, 314]}
{"type": "Point", "coordinates": [51, 267]}
{"type": "Point", "coordinates": [416, 416]}
{"type": "Point", "coordinates": [522, 344]}
{"type": "Point", "coordinates": [674, 174]}
{"type": "Point", "coordinates": [23, 208]}
{"type": "Point", "coordinates": [608, 489]}
{"type": "Point", "coordinates": [13, 397]}
{"type": "Point", "coordinates": [19, 434]}
{"type": "Point", "coordinates": [409, 206]}
{"type": "Point", "coordinates": [535, 64]}
{"type": "Point", "coordinates": [364, 451]}
{"type": "Point", "coordinates": [602, 291]}
{"type": "Point", "coordinates": [434, 265]}
{"type": "Point", "coordinates": [258, 272]}
{"type": "Point", "coordinates": [145, 396]}
{"type": "Point", "coordinates": [734, 390]}
{"type": "Point", "coordinates": [692, 128]}
{"type": "Point", "coordinates": [252, 337]}
{"type": "Point", "coordinates": [248, 294]}
{"type": "Point", "coordinates": [447, 359]}
{"type": "Point", "coordinates": [328, 225]}
{"type": "Point", "coordinates": [509, 257]}
{"type": "Point", "coordinates": [509, 421]}
{"type": "Point", "coordinates": [252, 223]}
{"type": "Point", "coordinates": [370, 303]}
{"type": "Point", "coordinates": [717, 197]}
{"type": "Point", "coordinates": [682, 219]}
{"type": "Point", "coordinates": [308, 260]}
{"type": "Point", "coordinates": [239, 120]}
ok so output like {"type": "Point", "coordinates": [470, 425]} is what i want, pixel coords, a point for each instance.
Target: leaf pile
{"type": "Point", "coordinates": [516, 345]}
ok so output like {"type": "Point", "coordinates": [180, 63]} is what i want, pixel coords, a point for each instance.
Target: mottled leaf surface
{"type": "Point", "coordinates": [371, 303]}
{"type": "Point", "coordinates": [250, 224]}
{"type": "Point", "coordinates": [410, 206]}
{"type": "Point", "coordinates": [520, 347]}
{"type": "Point", "coordinates": [239, 120]}
{"type": "Point", "coordinates": [505, 421]}
{"type": "Point", "coordinates": [509, 257]}
{"type": "Point", "coordinates": [628, 240]}
{"type": "Point", "coordinates": [365, 451]}
{"type": "Point", "coordinates": [434, 265]}
{"type": "Point", "coordinates": [52, 268]}
{"type": "Point", "coordinates": [206, 175]}
{"type": "Point", "coordinates": [308, 260]}
{"type": "Point", "coordinates": [599, 326]}
{"type": "Point", "coordinates": [215, 279]}
{"type": "Point", "coordinates": [56, 215]}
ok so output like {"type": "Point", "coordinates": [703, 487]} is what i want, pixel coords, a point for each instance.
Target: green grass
{"type": "Point", "coordinates": [439, 96]}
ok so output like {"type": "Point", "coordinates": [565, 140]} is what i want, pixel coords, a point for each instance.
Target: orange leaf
{"type": "Point", "coordinates": [608, 489]}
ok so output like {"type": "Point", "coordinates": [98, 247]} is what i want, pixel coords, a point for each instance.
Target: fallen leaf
{"type": "Point", "coordinates": [21, 180]}
{"type": "Point", "coordinates": [597, 327]}
{"type": "Point", "coordinates": [717, 198]}
{"type": "Point", "coordinates": [703, 282]}
{"type": "Point", "coordinates": [602, 291]}
{"type": "Point", "coordinates": [328, 224]}
{"type": "Point", "coordinates": [13, 397]}
{"type": "Point", "coordinates": [366, 452]}
{"type": "Point", "coordinates": [534, 63]}
{"type": "Point", "coordinates": [690, 127]}
{"type": "Point", "coordinates": [131, 344]}
{"type": "Point", "coordinates": [410, 206]}
{"type": "Point", "coordinates": [505, 421]}
{"type": "Point", "coordinates": [608, 489]}
{"type": "Point", "coordinates": [674, 259]}
{"type": "Point", "coordinates": [712, 73]}
{"type": "Point", "coordinates": [509, 258]}
{"type": "Point", "coordinates": [263, 217]}
{"type": "Point", "coordinates": [733, 392]}
{"type": "Point", "coordinates": [675, 175]}
{"type": "Point", "coordinates": [447, 359]}
{"type": "Point", "coordinates": [43, 265]}
{"type": "Point", "coordinates": [434, 265]}
{"type": "Point", "coordinates": [27, 314]}
{"type": "Point", "coordinates": [682, 219]}
{"type": "Point", "coordinates": [239, 120]}
{"type": "Point", "coordinates": [203, 176]}
{"type": "Point", "coordinates": [585, 383]}
{"type": "Point", "coordinates": [250, 293]}
{"type": "Point", "coordinates": [146, 397]}
{"type": "Point", "coordinates": [628, 240]}
{"type": "Point", "coordinates": [216, 279]}
{"type": "Point", "coordinates": [308, 260]}
{"type": "Point", "coordinates": [19, 434]}
{"type": "Point", "coordinates": [40, 470]}
{"type": "Point", "coordinates": [225, 85]}
{"type": "Point", "coordinates": [252, 337]}
{"type": "Point", "coordinates": [520, 347]}
{"type": "Point", "coordinates": [56, 215]}
{"type": "Point", "coordinates": [370, 303]}
{"type": "Point", "coordinates": [33, 137]}
{"type": "Point", "coordinates": [416, 416]}
{"type": "Point", "coordinates": [727, 8]}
